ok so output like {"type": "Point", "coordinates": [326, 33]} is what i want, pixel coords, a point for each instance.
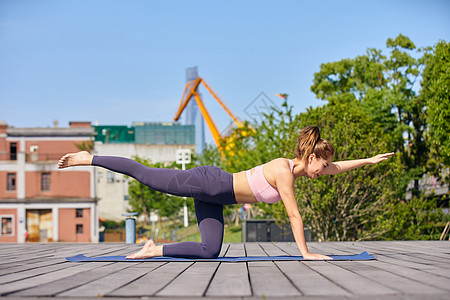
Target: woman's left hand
{"type": "Point", "coordinates": [379, 158]}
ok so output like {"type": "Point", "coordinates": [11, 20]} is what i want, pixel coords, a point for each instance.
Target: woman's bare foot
{"type": "Point", "coordinates": [149, 250]}
{"type": "Point", "coordinates": [82, 158]}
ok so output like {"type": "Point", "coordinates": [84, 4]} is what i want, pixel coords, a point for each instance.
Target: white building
{"type": "Point", "coordinates": [156, 142]}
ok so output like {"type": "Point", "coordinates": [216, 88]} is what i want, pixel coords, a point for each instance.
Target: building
{"type": "Point", "coordinates": [156, 142]}
{"type": "Point", "coordinates": [38, 202]}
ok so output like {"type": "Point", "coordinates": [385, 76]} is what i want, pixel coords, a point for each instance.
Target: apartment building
{"type": "Point", "coordinates": [38, 202]}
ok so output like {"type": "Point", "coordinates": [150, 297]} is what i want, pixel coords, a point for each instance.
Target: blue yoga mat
{"type": "Point", "coordinates": [81, 258]}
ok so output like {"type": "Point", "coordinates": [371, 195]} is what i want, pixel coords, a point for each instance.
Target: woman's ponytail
{"type": "Point", "coordinates": [306, 141]}
{"type": "Point", "coordinates": [309, 141]}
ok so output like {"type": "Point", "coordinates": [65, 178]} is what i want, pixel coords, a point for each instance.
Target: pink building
{"type": "Point", "coordinates": [38, 202]}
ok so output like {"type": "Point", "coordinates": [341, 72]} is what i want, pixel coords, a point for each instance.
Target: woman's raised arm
{"type": "Point", "coordinates": [346, 165]}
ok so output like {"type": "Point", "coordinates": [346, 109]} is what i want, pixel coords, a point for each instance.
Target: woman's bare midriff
{"type": "Point", "coordinates": [242, 190]}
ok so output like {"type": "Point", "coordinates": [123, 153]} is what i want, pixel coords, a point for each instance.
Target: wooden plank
{"type": "Point", "coordinates": [440, 272]}
{"type": "Point", "coordinates": [224, 249]}
{"type": "Point", "coordinates": [61, 285]}
{"type": "Point", "coordinates": [33, 264]}
{"type": "Point", "coordinates": [111, 282]}
{"type": "Point", "coordinates": [254, 249]}
{"type": "Point", "coordinates": [399, 259]}
{"type": "Point", "coordinates": [48, 277]}
{"type": "Point", "coordinates": [426, 259]}
{"type": "Point", "coordinates": [396, 259]}
{"type": "Point", "coordinates": [437, 281]}
{"type": "Point", "coordinates": [152, 282]}
{"type": "Point", "coordinates": [308, 281]}
{"type": "Point", "coordinates": [193, 282]}
{"type": "Point", "coordinates": [413, 260]}
{"type": "Point", "coordinates": [236, 249]}
{"type": "Point", "coordinates": [289, 248]}
{"type": "Point", "coordinates": [24, 274]}
{"type": "Point", "coordinates": [385, 278]}
{"type": "Point", "coordinates": [267, 280]}
{"type": "Point", "coordinates": [350, 281]}
{"type": "Point", "coordinates": [271, 249]}
{"type": "Point", "coordinates": [231, 279]}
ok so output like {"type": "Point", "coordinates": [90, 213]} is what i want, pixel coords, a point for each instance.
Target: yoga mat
{"type": "Point", "coordinates": [81, 258]}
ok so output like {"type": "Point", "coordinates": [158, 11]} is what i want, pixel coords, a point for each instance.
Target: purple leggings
{"type": "Point", "coordinates": [210, 187]}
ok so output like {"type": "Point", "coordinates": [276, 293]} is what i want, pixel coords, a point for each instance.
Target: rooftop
{"type": "Point", "coordinates": [403, 270]}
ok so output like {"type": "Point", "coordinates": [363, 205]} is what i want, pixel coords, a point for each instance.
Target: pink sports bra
{"type": "Point", "coordinates": [262, 189]}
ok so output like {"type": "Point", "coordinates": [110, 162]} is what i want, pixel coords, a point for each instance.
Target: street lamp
{"type": "Point", "coordinates": [183, 157]}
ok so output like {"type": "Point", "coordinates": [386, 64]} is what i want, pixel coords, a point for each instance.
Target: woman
{"type": "Point", "coordinates": [212, 188]}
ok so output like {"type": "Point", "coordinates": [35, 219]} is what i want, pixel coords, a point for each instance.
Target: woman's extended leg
{"type": "Point", "coordinates": [171, 181]}
{"type": "Point", "coordinates": [208, 184]}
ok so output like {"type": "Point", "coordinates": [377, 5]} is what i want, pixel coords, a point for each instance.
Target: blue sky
{"type": "Point", "coordinates": [119, 61]}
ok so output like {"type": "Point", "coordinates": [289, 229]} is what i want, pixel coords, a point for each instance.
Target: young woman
{"type": "Point", "coordinates": [212, 188]}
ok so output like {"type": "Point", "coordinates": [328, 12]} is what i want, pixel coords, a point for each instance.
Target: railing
{"type": "Point", "coordinates": [42, 157]}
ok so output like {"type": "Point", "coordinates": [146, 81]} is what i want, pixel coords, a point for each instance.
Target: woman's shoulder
{"type": "Point", "coordinates": [280, 161]}
{"type": "Point", "coordinates": [280, 165]}
{"type": "Point", "coordinates": [278, 169]}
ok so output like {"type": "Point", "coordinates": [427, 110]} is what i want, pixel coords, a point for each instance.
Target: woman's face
{"type": "Point", "coordinates": [316, 166]}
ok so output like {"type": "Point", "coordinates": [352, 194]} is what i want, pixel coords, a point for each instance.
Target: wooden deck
{"type": "Point", "coordinates": [403, 270]}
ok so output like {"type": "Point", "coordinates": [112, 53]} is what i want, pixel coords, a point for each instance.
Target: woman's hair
{"type": "Point", "coordinates": [309, 141]}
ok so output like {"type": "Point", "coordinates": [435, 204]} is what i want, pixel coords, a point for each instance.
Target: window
{"type": "Point", "coordinates": [99, 176]}
{"type": "Point", "coordinates": [110, 177]}
{"type": "Point", "coordinates": [11, 182]}
{"type": "Point", "coordinates": [45, 182]}
{"type": "Point", "coordinates": [79, 228]}
{"type": "Point", "coordinates": [13, 151]}
{"type": "Point", "coordinates": [79, 213]}
{"type": "Point", "coordinates": [7, 225]}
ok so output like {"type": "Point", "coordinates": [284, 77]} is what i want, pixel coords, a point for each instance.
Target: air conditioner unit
{"type": "Point", "coordinates": [34, 149]}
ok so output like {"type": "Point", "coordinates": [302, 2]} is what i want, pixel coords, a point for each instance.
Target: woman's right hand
{"type": "Point", "coordinates": [379, 158]}
{"type": "Point", "coordinates": [316, 256]}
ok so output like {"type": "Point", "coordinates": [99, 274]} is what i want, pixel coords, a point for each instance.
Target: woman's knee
{"type": "Point", "coordinates": [211, 251]}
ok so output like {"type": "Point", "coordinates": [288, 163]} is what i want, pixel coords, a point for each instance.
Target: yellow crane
{"type": "Point", "coordinates": [191, 91]}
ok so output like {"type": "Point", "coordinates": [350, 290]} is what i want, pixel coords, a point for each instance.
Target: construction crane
{"type": "Point", "coordinates": [191, 91]}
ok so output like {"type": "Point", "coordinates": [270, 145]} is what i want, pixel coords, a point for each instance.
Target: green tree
{"type": "Point", "coordinates": [417, 219]}
{"type": "Point", "coordinates": [386, 88]}
{"type": "Point", "coordinates": [436, 93]}
{"type": "Point", "coordinates": [342, 207]}
{"type": "Point", "coordinates": [346, 206]}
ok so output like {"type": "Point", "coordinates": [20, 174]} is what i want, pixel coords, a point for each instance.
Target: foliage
{"type": "Point", "coordinates": [345, 206]}
{"type": "Point", "coordinates": [342, 207]}
{"type": "Point", "coordinates": [386, 88]}
{"type": "Point", "coordinates": [145, 200]}
{"type": "Point", "coordinates": [416, 219]}
{"type": "Point", "coordinates": [85, 145]}
{"type": "Point", "coordinates": [110, 224]}
{"type": "Point", "coordinates": [436, 93]}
